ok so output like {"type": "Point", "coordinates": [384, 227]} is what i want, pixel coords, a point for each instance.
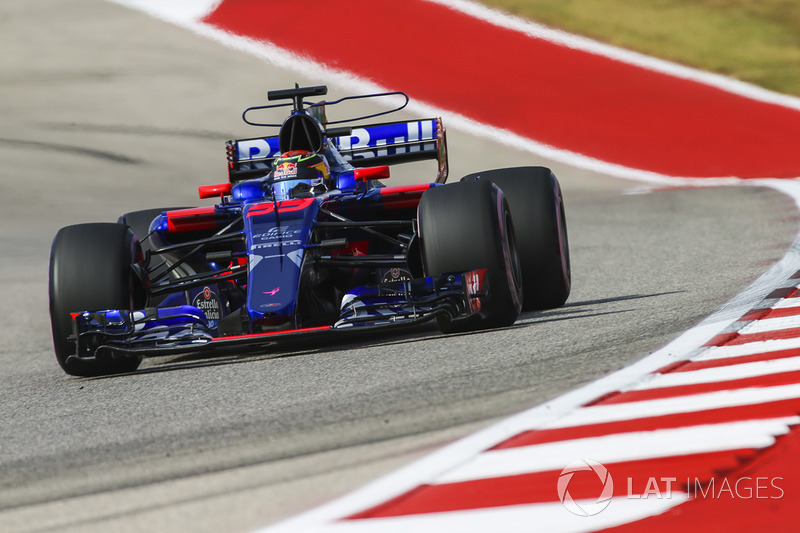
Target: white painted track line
{"type": "Point", "coordinates": [719, 374]}
{"type": "Point", "coordinates": [599, 414]}
{"type": "Point", "coordinates": [750, 348]}
{"type": "Point", "coordinates": [787, 303]}
{"type": "Point", "coordinates": [621, 447]}
{"type": "Point", "coordinates": [771, 324]}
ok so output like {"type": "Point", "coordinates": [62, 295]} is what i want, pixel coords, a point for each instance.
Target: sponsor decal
{"type": "Point", "coordinates": [285, 206]}
{"type": "Point", "coordinates": [278, 232]}
{"type": "Point", "coordinates": [384, 139]}
{"type": "Point", "coordinates": [473, 281]}
{"type": "Point", "coordinates": [257, 148]}
{"type": "Point", "coordinates": [388, 139]}
{"type": "Point", "coordinates": [285, 170]}
{"type": "Point", "coordinates": [294, 242]}
{"type": "Point", "coordinates": [208, 302]}
{"type": "Point", "coordinates": [396, 274]}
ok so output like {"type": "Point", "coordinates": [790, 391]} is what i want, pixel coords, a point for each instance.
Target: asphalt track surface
{"type": "Point", "coordinates": [106, 110]}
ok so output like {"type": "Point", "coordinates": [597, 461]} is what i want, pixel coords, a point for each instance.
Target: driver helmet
{"type": "Point", "coordinates": [299, 174]}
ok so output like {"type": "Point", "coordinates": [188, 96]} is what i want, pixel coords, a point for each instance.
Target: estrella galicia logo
{"type": "Point", "coordinates": [584, 508]}
{"type": "Point", "coordinates": [208, 302]}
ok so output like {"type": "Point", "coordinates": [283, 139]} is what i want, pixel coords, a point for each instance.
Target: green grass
{"type": "Point", "coordinates": [757, 41]}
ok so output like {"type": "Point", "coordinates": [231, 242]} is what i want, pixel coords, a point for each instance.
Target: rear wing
{"type": "Point", "coordinates": [377, 144]}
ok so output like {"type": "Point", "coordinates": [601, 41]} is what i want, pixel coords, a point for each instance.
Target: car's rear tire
{"type": "Point", "coordinates": [468, 226]}
{"type": "Point", "coordinates": [90, 270]}
{"type": "Point", "coordinates": [537, 206]}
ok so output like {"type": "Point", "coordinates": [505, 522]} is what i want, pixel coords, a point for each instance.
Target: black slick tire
{"type": "Point", "coordinates": [468, 226]}
{"type": "Point", "coordinates": [537, 206]}
{"type": "Point", "coordinates": [90, 269]}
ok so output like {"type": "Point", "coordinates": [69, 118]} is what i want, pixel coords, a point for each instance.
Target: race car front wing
{"type": "Point", "coordinates": [185, 329]}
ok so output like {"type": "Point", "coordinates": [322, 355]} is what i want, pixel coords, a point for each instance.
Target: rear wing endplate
{"type": "Point", "coordinates": [377, 144]}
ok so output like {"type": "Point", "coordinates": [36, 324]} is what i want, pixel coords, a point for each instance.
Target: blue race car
{"type": "Point", "coordinates": [306, 240]}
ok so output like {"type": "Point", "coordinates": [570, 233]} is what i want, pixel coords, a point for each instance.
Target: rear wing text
{"type": "Point", "coordinates": [373, 145]}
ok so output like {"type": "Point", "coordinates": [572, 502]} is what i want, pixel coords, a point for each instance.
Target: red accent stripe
{"type": "Point", "coordinates": [372, 173]}
{"type": "Point", "coordinates": [210, 191]}
{"type": "Point", "coordinates": [755, 314]}
{"type": "Point", "coordinates": [195, 219]}
{"type": "Point", "coordinates": [541, 487]}
{"type": "Point", "coordinates": [672, 367]}
{"type": "Point", "coordinates": [261, 209]}
{"type": "Point", "coordinates": [738, 340]}
{"type": "Point", "coordinates": [404, 189]}
{"type": "Point", "coordinates": [286, 206]}
{"type": "Point", "coordinates": [271, 333]}
{"type": "Point", "coordinates": [757, 411]}
{"type": "Point", "coordinates": [722, 339]}
{"type": "Point", "coordinates": [782, 312]}
{"type": "Point", "coordinates": [402, 197]}
{"type": "Point", "coordinates": [593, 105]}
{"type": "Point", "coordinates": [294, 205]}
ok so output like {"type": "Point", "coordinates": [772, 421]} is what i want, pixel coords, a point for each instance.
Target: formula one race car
{"type": "Point", "coordinates": [306, 240]}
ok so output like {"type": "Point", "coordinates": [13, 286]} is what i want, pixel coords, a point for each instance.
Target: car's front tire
{"type": "Point", "coordinates": [537, 206]}
{"type": "Point", "coordinates": [90, 270]}
{"type": "Point", "coordinates": [468, 226]}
